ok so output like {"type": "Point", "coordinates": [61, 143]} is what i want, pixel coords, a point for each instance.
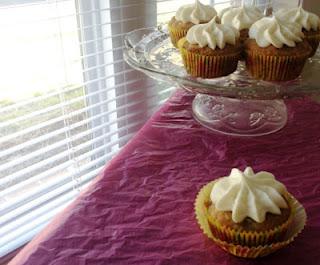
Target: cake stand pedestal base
{"type": "Point", "coordinates": [239, 117]}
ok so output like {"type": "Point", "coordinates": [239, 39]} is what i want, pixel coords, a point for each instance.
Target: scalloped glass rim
{"type": "Point", "coordinates": [149, 50]}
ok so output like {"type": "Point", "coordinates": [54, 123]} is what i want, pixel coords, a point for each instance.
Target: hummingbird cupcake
{"type": "Point", "coordinates": [188, 16]}
{"type": "Point", "coordinates": [276, 50]}
{"type": "Point", "coordinates": [249, 209]}
{"type": "Point", "coordinates": [210, 50]}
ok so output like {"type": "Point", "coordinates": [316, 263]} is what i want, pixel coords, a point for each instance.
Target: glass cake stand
{"type": "Point", "coordinates": [235, 104]}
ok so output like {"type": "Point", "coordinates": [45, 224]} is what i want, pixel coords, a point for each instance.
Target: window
{"type": "Point", "coordinates": [68, 103]}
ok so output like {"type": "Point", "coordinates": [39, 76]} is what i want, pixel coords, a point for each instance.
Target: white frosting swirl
{"type": "Point", "coordinates": [272, 31]}
{"type": "Point", "coordinates": [249, 195]}
{"type": "Point", "coordinates": [300, 16]}
{"type": "Point", "coordinates": [212, 35]}
{"type": "Point", "coordinates": [222, 11]}
{"type": "Point", "coordinates": [196, 13]}
{"type": "Point", "coordinates": [240, 17]}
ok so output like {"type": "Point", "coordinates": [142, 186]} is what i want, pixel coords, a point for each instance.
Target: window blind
{"type": "Point", "coordinates": [68, 103]}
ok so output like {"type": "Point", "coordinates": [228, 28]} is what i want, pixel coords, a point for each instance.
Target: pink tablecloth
{"type": "Point", "coordinates": [140, 210]}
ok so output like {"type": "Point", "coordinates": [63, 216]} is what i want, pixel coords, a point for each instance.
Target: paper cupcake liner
{"type": "Point", "coordinates": [295, 227]}
{"type": "Point", "coordinates": [275, 68]}
{"type": "Point", "coordinates": [206, 66]}
{"type": "Point", "coordinates": [176, 35]}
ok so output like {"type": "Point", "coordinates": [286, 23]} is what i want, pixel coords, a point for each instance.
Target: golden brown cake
{"type": "Point", "coordinates": [248, 224]}
{"type": "Point", "coordinates": [210, 50]}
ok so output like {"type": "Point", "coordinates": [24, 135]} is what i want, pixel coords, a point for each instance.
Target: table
{"type": "Point", "coordinates": [140, 209]}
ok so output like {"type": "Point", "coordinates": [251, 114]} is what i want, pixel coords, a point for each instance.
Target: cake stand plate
{"type": "Point", "coordinates": [235, 104]}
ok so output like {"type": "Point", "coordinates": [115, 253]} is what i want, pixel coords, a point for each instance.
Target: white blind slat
{"type": "Point", "coordinates": [71, 127]}
{"type": "Point", "coordinates": [54, 206]}
{"type": "Point", "coordinates": [58, 182]}
{"type": "Point", "coordinates": [51, 199]}
{"type": "Point", "coordinates": [66, 104]}
{"type": "Point", "coordinates": [19, 174]}
{"type": "Point", "coordinates": [67, 116]}
{"type": "Point", "coordinates": [64, 142]}
{"type": "Point", "coordinates": [31, 205]}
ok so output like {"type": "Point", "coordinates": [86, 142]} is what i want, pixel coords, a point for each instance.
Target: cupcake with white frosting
{"type": "Point", "coordinates": [276, 50]}
{"type": "Point", "coordinates": [241, 18]}
{"type": "Point", "coordinates": [188, 16]}
{"type": "Point", "coordinates": [249, 209]}
{"type": "Point", "coordinates": [210, 50]}
{"type": "Point", "coordinates": [309, 22]}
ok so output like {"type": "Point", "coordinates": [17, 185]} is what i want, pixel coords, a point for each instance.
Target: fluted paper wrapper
{"type": "Point", "coordinates": [176, 34]}
{"type": "Point", "coordinates": [238, 245]}
{"type": "Point", "coordinates": [209, 66]}
{"type": "Point", "coordinates": [275, 68]}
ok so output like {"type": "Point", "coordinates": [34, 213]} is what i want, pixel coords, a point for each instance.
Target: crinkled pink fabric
{"type": "Point", "coordinates": [140, 210]}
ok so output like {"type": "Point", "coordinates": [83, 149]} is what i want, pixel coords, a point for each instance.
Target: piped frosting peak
{"type": "Point", "coordinates": [240, 17]}
{"type": "Point", "coordinates": [273, 31]}
{"type": "Point", "coordinates": [196, 13]}
{"type": "Point", "coordinates": [305, 19]}
{"type": "Point", "coordinates": [247, 194]}
{"type": "Point", "coordinates": [212, 35]}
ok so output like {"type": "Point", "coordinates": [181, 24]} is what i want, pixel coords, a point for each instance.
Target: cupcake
{"type": "Point", "coordinates": [240, 18]}
{"type": "Point", "coordinates": [188, 16]}
{"type": "Point", "coordinates": [309, 22]}
{"type": "Point", "coordinates": [210, 50]}
{"type": "Point", "coordinates": [276, 50]}
{"type": "Point", "coordinates": [249, 209]}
